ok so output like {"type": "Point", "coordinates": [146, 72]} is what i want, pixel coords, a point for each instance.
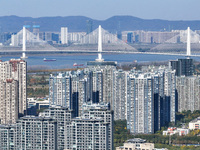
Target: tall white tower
{"type": "Point", "coordinates": [188, 42]}
{"type": "Point", "coordinates": [100, 46]}
{"type": "Point", "coordinates": [24, 43]}
{"type": "Point", "coordinates": [64, 35]}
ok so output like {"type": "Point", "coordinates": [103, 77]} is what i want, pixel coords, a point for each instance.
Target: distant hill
{"type": "Point", "coordinates": [78, 23]}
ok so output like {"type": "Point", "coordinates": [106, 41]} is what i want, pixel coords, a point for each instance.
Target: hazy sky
{"type": "Point", "coordinates": [103, 9]}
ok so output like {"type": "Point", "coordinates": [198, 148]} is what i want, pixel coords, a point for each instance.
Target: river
{"type": "Point", "coordinates": [67, 61]}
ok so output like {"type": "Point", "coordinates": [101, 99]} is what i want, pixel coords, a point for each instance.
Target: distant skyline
{"type": "Point", "coordinates": [104, 9]}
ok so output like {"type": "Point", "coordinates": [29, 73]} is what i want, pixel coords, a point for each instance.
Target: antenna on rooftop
{"type": "Point", "coordinates": [100, 46]}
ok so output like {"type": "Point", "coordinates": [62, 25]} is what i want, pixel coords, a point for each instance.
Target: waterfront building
{"type": "Point", "coordinates": [13, 102]}
{"type": "Point", "coordinates": [151, 36]}
{"type": "Point", "coordinates": [36, 31]}
{"type": "Point", "coordinates": [75, 37]}
{"type": "Point", "coordinates": [130, 37]}
{"type": "Point", "coordinates": [137, 143]}
{"type": "Point", "coordinates": [36, 133]}
{"type": "Point", "coordinates": [64, 35]}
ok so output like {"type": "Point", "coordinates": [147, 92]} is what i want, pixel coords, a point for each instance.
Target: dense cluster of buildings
{"type": "Point", "coordinates": [84, 103]}
{"type": "Point", "coordinates": [64, 37]}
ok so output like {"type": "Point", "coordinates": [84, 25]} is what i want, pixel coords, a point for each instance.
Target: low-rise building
{"type": "Point", "coordinates": [135, 144]}
{"type": "Point", "coordinates": [194, 124]}
{"type": "Point", "coordinates": [178, 131]}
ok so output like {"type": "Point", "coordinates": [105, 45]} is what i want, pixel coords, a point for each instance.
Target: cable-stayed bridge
{"type": "Point", "coordinates": [30, 43]}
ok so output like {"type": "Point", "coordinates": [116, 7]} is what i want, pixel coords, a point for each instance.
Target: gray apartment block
{"type": "Point", "coordinates": [36, 133]}
{"type": "Point", "coordinates": [68, 90]}
{"type": "Point", "coordinates": [151, 99]}
{"type": "Point", "coordinates": [120, 95]}
{"type": "Point", "coordinates": [141, 104]}
{"type": "Point", "coordinates": [9, 101]}
{"type": "Point", "coordinates": [88, 134]}
{"type": "Point", "coordinates": [60, 90]}
{"type": "Point", "coordinates": [63, 117]}
{"type": "Point", "coordinates": [8, 137]}
{"type": "Point", "coordinates": [13, 90]}
{"type": "Point", "coordinates": [107, 69]}
{"type": "Point", "coordinates": [188, 89]}
{"type": "Point", "coordinates": [103, 111]}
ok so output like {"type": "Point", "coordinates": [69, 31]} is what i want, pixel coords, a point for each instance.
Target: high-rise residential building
{"type": "Point", "coordinates": [82, 94]}
{"type": "Point", "coordinates": [141, 104]}
{"type": "Point", "coordinates": [64, 35]}
{"type": "Point", "coordinates": [75, 37]}
{"type": "Point", "coordinates": [120, 95]}
{"type": "Point", "coordinates": [188, 90]}
{"type": "Point", "coordinates": [13, 101]}
{"type": "Point", "coordinates": [97, 86]}
{"type": "Point", "coordinates": [151, 36]}
{"type": "Point", "coordinates": [182, 67]}
{"type": "Point", "coordinates": [8, 137]}
{"type": "Point", "coordinates": [63, 117]}
{"type": "Point", "coordinates": [9, 101]}
{"type": "Point", "coordinates": [89, 134]}
{"type": "Point", "coordinates": [36, 31]}
{"type": "Point", "coordinates": [153, 91]}
{"type": "Point", "coordinates": [170, 104]}
{"type": "Point", "coordinates": [102, 80]}
{"type": "Point", "coordinates": [101, 110]}
{"type": "Point", "coordinates": [60, 90]}
{"type": "Point", "coordinates": [36, 133]}
{"type": "Point", "coordinates": [68, 90]}
{"type": "Point", "coordinates": [93, 129]}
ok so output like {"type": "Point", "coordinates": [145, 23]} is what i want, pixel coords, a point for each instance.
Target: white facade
{"type": "Point", "coordinates": [64, 35]}
{"type": "Point", "coordinates": [178, 131]}
{"type": "Point", "coordinates": [76, 36]}
{"type": "Point", "coordinates": [136, 144]}
{"type": "Point", "coordinates": [194, 124]}
{"type": "Point", "coordinates": [60, 90]}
